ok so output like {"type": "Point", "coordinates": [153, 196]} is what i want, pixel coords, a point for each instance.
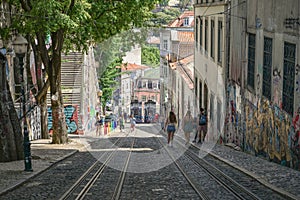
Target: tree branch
{"type": "Point", "coordinates": [43, 91]}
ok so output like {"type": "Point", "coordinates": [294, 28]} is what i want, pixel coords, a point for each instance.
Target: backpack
{"type": "Point", "coordinates": [202, 120]}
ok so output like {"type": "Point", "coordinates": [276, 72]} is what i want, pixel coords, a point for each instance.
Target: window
{"type": "Point", "coordinates": [267, 68]}
{"type": "Point", "coordinates": [201, 32]}
{"type": "Point", "coordinates": [219, 107]}
{"type": "Point", "coordinates": [155, 86]}
{"type": "Point", "coordinates": [150, 84]}
{"type": "Point", "coordinates": [144, 98]}
{"type": "Point", "coordinates": [144, 84]}
{"type": "Point", "coordinates": [165, 45]}
{"type": "Point", "coordinates": [288, 77]}
{"type": "Point", "coordinates": [200, 93]}
{"type": "Point", "coordinates": [251, 60]}
{"type": "Point", "coordinates": [220, 41]}
{"type": "Point", "coordinates": [197, 31]}
{"type": "Point", "coordinates": [140, 84]}
{"type": "Point", "coordinates": [196, 86]}
{"type": "Point", "coordinates": [206, 35]}
{"type": "Point", "coordinates": [212, 98]}
{"type": "Point", "coordinates": [212, 38]}
{"type": "Point", "coordinates": [186, 21]}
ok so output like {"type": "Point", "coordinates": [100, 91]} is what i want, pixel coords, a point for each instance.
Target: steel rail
{"type": "Point", "coordinates": [120, 183]}
{"type": "Point", "coordinates": [98, 172]}
{"type": "Point", "coordinates": [198, 190]}
{"type": "Point", "coordinates": [236, 189]}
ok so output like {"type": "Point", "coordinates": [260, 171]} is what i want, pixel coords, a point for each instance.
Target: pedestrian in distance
{"type": "Point", "coordinates": [98, 124]}
{"type": "Point", "coordinates": [187, 126]}
{"type": "Point", "coordinates": [170, 126]}
{"type": "Point", "coordinates": [202, 130]}
{"type": "Point", "coordinates": [121, 123]}
{"type": "Point", "coordinates": [132, 121]}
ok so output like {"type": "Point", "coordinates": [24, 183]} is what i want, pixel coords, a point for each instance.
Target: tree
{"type": "Point", "coordinates": [108, 80]}
{"type": "Point", "coordinates": [11, 147]}
{"type": "Point", "coordinates": [150, 56]}
{"type": "Point", "coordinates": [72, 25]}
{"type": "Point", "coordinates": [165, 16]}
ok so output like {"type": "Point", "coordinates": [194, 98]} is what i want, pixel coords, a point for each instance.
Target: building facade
{"type": "Point", "coordinates": [210, 62]}
{"type": "Point", "coordinates": [177, 41]}
{"type": "Point", "coordinates": [263, 85]}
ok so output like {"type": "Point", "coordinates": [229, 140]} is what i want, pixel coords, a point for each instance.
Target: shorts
{"type": "Point", "coordinates": [202, 128]}
{"type": "Point", "coordinates": [171, 128]}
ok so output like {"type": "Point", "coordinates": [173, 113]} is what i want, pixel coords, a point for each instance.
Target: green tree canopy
{"type": "Point", "coordinates": [72, 25]}
{"type": "Point", "coordinates": [108, 80]}
{"type": "Point", "coordinates": [150, 56]}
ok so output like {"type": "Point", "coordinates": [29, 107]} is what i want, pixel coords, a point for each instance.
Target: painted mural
{"type": "Point", "coordinates": [34, 121]}
{"type": "Point", "coordinates": [71, 113]}
{"type": "Point", "coordinates": [233, 133]}
{"type": "Point", "coordinates": [266, 130]}
{"type": "Point", "coordinates": [272, 133]}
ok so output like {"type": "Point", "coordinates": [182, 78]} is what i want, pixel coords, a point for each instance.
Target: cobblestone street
{"type": "Point", "coordinates": [51, 161]}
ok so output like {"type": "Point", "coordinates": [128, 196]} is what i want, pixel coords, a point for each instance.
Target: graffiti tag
{"type": "Point", "coordinates": [71, 115]}
{"type": "Point", "coordinates": [291, 23]}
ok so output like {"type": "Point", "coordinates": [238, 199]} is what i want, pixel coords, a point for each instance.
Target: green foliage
{"type": "Point", "coordinates": [164, 3]}
{"type": "Point", "coordinates": [83, 22]}
{"type": "Point", "coordinates": [108, 80]}
{"type": "Point", "coordinates": [185, 4]}
{"type": "Point", "coordinates": [150, 56]}
{"type": "Point", "coordinates": [165, 16]}
{"type": "Point", "coordinates": [115, 47]}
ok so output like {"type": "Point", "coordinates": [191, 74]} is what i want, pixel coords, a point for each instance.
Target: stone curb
{"type": "Point", "coordinates": [258, 178]}
{"type": "Point", "coordinates": [34, 174]}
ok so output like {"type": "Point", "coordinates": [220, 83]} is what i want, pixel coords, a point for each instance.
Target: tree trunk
{"type": "Point", "coordinates": [59, 135]}
{"type": "Point", "coordinates": [42, 91]}
{"type": "Point", "coordinates": [11, 139]}
{"type": "Point", "coordinates": [44, 117]}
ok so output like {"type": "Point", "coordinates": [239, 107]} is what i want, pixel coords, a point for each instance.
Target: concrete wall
{"type": "Point", "coordinates": [259, 125]}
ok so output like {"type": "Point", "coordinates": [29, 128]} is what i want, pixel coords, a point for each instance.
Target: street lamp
{"type": "Point", "coordinates": [20, 48]}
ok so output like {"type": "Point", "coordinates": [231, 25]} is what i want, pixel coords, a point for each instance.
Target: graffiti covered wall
{"type": "Point", "coordinates": [272, 133]}
{"type": "Point", "coordinates": [263, 129]}
{"type": "Point", "coordinates": [34, 121]}
{"type": "Point", "coordinates": [71, 113]}
{"type": "Point", "coordinates": [233, 132]}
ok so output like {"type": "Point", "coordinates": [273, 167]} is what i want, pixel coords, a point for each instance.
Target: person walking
{"type": "Point", "coordinates": [132, 123]}
{"type": "Point", "coordinates": [170, 126]}
{"type": "Point", "coordinates": [98, 124]}
{"type": "Point", "coordinates": [202, 130]}
{"type": "Point", "coordinates": [121, 123]}
{"type": "Point", "coordinates": [187, 126]}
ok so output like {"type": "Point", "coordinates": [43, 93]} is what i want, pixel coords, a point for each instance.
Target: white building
{"type": "Point", "coordinates": [177, 41]}
{"type": "Point", "coordinates": [210, 59]}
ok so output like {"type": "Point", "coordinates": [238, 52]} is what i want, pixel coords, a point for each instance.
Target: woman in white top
{"type": "Point", "coordinates": [187, 126]}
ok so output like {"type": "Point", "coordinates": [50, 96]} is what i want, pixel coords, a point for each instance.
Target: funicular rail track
{"type": "Point", "coordinates": [234, 179]}
{"type": "Point", "coordinates": [192, 183]}
{"type": "Point", "coordinates": [237, 190]}
{"type": "Point", "coordinates": [83, 185]}
{"type": "Point", "coordinates": [234, 188]}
